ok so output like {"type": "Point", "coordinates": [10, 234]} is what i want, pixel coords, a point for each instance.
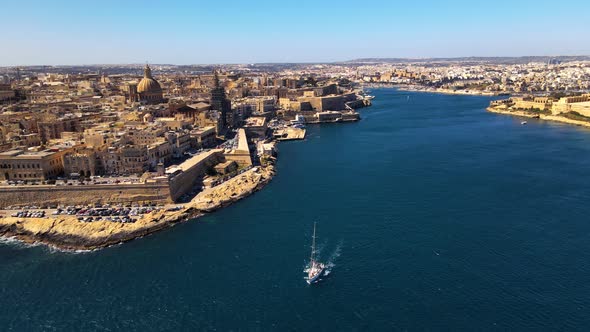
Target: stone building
{"type": "Point", "coordinates": [148, 89]}
{"type": "Point", "coordinates": [81, 163]}
{"type": "Point", "coordinates": [39, 165]}
{"type": "Point", "coordinates": [206, 137]}
{"type": "Point", "coordinates": [53, 129]}
{"type": "Point", "coordinates": [579, 104]}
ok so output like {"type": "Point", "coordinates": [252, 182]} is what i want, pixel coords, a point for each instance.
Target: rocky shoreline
{"type": "Point", "coordinates": [448, 91]}
{"type": "Point", "coordinates": [420, 88]}
{"type": "Point", "coordinates": [67, 233]}
{"type": "Point", "coordinates": [547, 117]}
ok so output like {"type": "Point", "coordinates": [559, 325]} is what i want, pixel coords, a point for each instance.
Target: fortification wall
{"type": "Point", "coordinates": [192, 173]}
{"type": "Point", "coordinates": [83, 194]}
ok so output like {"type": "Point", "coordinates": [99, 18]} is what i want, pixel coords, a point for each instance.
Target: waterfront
{"type": "Point", "coordinates": [444, 216]}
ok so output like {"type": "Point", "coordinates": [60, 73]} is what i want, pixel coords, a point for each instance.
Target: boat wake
{"type": "Point", "coordinates": [330, 262]}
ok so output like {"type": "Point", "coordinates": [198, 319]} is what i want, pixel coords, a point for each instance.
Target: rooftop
{"type": "Point", "coordinates": [20, 154]}
{"type": "Point", "coordinates": [242, 140]}
{"type": "Point", "coordinates": [191, 162]}
{"type": "Point", "coordinates": [255, 121]}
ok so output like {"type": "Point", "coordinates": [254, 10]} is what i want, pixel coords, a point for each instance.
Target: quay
{"type": "Point", "coordinates": [289, 134]}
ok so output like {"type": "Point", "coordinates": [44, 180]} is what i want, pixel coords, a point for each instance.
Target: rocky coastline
{"type": "Point", "coordinates": [421, 88]}
{"type": "Point", "coordinates": [67, 233]}
{"type": "Point", "coordinates": [547, 117]}
{"type": "Point", "coordinates": [448, 91]}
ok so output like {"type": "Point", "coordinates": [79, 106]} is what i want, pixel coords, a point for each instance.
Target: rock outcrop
{"type": "Point", "coordinates": [230, 191]}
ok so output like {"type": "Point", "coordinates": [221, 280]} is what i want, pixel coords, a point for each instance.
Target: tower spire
{"type": "Point", "coordinates": [216, 79]}
{"type": "Point", "coordinates": [147, 72]}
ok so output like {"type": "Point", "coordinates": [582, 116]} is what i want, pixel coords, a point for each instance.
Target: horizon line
{"type": "Point", "coordinates": [303, 62]}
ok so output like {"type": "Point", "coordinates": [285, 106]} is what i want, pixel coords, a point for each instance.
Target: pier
{"type": "Point", "coordinates": [289, 134]}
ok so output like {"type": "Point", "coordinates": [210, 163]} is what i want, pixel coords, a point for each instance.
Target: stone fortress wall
{"type": "Point", "coordinates": [183, 180]}
{"type": "Point", "coordinates": [192, 171]}
{"type": "Point", "coordinates": [84, 194]}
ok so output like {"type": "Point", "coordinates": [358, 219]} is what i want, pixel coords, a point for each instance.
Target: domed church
{"type": "Point", "coordinates": [148, 89]}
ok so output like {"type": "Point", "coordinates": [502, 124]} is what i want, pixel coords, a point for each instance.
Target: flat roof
{"type": "Point", "coordinates": [199, 105]}
{"type": "Point", "coordinates": [19, 154]}
{"type": "Point", "coordinates": [202, 130]}
{"type": "Point", "coordinates": [255, 121]}
{"type": "Point", "coordinates": [197, 159]}
{"type": "Point", "coordinates": [242, 140]}
{"type": "Point", "coordinates": [11, 153]}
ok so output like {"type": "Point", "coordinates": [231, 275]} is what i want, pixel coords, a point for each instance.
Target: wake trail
{"type": "Point", "coordinates": [331, 263]}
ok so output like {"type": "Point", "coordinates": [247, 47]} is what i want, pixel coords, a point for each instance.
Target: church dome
{"type": "Point", "coordinates": [148, 83]}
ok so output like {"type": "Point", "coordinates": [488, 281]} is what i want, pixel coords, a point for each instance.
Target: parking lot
{"type": "Point", "coordinates": [116, 213]}
{"type": "Point", "coordinates": [75, 182]}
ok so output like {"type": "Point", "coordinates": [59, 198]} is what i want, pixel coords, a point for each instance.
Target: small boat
{"type": "Point", "coordinates": [316, 269]}
{"type": "Point", "coordinates": [299, 121]}
{"type": "Point", "coordinates": [523, 123]}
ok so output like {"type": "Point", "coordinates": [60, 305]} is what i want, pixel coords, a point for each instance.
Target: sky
{"type": "Point", "coordinates": [60, 32]}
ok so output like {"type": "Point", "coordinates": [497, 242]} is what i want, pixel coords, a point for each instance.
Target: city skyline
{"type": "Point", "coordinates": [70, 33]}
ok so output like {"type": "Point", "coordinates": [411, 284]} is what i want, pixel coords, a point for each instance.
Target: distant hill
{"type": "Point", "coordinates": [497, 60]}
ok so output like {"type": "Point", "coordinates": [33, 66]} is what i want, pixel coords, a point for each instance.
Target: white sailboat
{"type": "Point", "coordinates": [316, 269]}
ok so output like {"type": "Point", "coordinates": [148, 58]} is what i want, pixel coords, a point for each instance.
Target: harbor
{"type": "Point", "coordinates": [399, 218]}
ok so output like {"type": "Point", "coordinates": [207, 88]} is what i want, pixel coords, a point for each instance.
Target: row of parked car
{"type": "Point", "coordinates": [123, 219]}
{"type": "Point", "coordinates": [105, 211]}
{"type": "Point", "coordinates": [29, 214]}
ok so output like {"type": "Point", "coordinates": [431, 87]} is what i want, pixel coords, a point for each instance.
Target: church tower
{"type": "Point", "coordinates": [219, 102]}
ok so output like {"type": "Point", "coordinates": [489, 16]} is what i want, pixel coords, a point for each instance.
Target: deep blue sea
{"type": "Point", "coordinates": [435, 214]}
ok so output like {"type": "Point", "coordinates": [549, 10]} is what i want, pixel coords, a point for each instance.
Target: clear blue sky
{"type": "Point", "coordinates": [222, 31]}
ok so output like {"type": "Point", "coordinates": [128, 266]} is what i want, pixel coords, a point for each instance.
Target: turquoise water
{"type": "Point", "coordinates": [435, 214]}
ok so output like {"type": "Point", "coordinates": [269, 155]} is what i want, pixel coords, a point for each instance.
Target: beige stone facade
{"type": "Point", "coordinates": [31, 166]}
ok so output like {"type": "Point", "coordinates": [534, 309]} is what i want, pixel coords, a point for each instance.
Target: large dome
{"type": "Point", "coordinates": [148, 83]}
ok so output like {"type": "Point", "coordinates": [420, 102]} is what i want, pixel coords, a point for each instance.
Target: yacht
{"type": "Point", "coordinates": [316, 269]}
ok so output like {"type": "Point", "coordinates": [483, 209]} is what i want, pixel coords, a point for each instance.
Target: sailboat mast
{"type": "Point", "coordinates": [313, 244]}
